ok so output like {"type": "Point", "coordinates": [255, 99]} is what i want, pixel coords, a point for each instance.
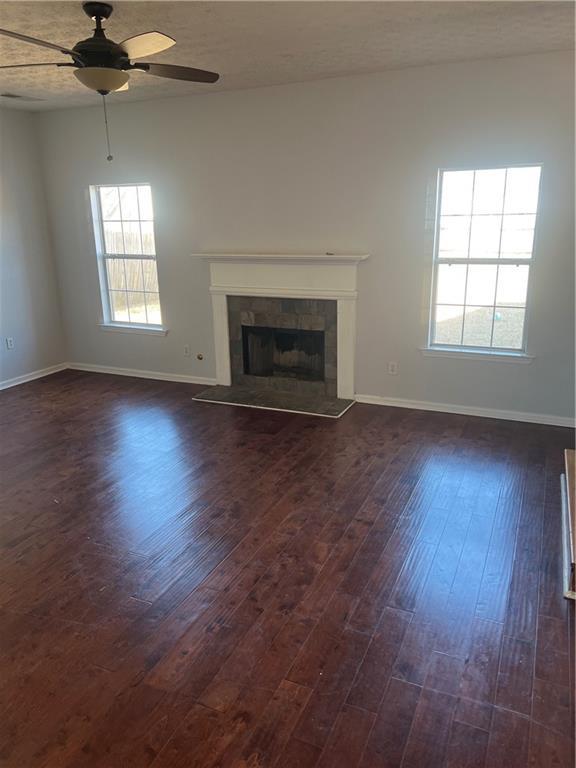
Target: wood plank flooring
{"type": "Point", "coordinates": [188, 585]}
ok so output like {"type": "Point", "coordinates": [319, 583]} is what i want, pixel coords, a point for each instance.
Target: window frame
{"type": "Point", "coordinates": [107, 321]}
{"type": "Point", "coordinates": [456, 350]}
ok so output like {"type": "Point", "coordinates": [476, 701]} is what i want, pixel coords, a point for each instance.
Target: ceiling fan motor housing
{"type": "Point", "coordinates": [101, 61]}
{"type": "Point", "coordinates": [98, 51]}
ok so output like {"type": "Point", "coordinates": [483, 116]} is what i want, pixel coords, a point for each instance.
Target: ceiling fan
{"type": "Point", "coordinates": [103, 65]}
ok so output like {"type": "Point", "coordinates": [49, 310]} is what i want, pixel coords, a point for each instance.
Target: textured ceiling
{"type": "Point", "coordinates": [264, 43]}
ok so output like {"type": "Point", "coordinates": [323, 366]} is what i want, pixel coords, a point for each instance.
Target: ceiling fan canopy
{"type": "Point", "coordinates": [104, 65]}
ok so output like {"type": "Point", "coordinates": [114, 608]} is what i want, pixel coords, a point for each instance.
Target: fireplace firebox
{"type": "Point", "coordinates": [285, 352]}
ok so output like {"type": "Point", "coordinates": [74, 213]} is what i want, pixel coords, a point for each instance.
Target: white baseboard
{"type": "Point", "coordinates": [489, 413]}
{"type": "Point", "coordinates": [7, 383]}
{"type": "Point", "coordinates": [183, 378]}
{"type": "Point", "coordinates": [395, 402]}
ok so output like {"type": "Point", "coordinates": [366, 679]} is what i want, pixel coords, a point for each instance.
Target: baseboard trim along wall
{"type": "Point", "coordinates": [489, 413]}
{"type": "Point", "coordinates": [178, 377]}
{"type": "Point", "coordinates": [394, 402]}
{"type": "Point", "coordinates": [7, 383]}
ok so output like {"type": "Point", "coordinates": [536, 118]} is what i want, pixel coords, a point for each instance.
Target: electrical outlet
{"type": "Point", "coordinates": [393, 368]}
{"type": "Point", "coordinates": [9, 342]}
{"type": "Point", "coordinates": [186, 350]}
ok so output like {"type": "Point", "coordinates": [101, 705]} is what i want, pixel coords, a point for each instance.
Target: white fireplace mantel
{"type": "Point", "coordinates": [287, 258]}
{"type": "Point", "coordinates": [296, 276]}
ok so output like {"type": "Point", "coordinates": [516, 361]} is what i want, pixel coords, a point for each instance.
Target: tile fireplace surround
{"type": "Point", "coordinates": [320, 315]}
{"type": "Point", "coordinates": [305, 291]}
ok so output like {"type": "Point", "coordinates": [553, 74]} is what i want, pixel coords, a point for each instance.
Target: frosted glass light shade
{"type": "Point", "coordinates": [102, 79]}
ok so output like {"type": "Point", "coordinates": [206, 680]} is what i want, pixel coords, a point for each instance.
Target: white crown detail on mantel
{"type": "Point", "coordinates": [287, 258]}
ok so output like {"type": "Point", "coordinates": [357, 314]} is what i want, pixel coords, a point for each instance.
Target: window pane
{"type": "Point", "coordinates": [448, 329]}
{"type": "Point", "coordinates": [118, 306]}
{"type": "Point", "coordinates": [508, 328]}
{"type": "Point", "coordinates": [115, 273]}
{"type": "Point", "coordinates": [477, 326]}
{"type": "Point", "coordinates": [487, 215]}
{"type": "Point", "coordinates": [110, 203]}
{"type": "Point", "coordinates": [451, 284]}
{"type": "Point", "coordinates": [148, 245]}
{"type": "Point", "coordinates": [113, 239]}
{"type": "Point", "coordinates": [457, 192]}
{"type": "Point", "coordinates": [153, 307]}
{"type": "Point", "coordinates": [454, 237]}
{"type": "Point", "coordinates": [129, 203]}
{"type": "Point", "coordinates": [485, 237]}
{"type": "Point", "coordinates": [489, 191]}
{"type": "Point", "coordinates": [150, 275]}
{"type": "Point", "coordinates": [512, 285]}
{"type": "Point", "coordinates": [145, 202]}
{"type": "Point", "coordinates": [134, 275]}
{"type": "Point", "coordinates": [137, 307]}
{"type": "Point", "coordinates": [126, 214]}
{"type": "Point", "coordinates": [481, 287]}
{"type": "Point", "coordinates": [132, 241]}
{"type": "Point", "coordinates": [517, 237]}
{"type": "Point", "coordinates": [522, 190]}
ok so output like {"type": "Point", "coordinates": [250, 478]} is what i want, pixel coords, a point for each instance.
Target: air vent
{"type": "Point", "coordinates": [18, 96]}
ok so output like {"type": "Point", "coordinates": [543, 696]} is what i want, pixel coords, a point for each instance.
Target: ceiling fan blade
{"type": "Point", "coordinates": [179, 73]}
{"type": "Point", "coordinates": [146, 44]}
{"type": "Point", "coordinates": [125, 87]}
{"type": "Point", "coordinates": [35, 41]}
{"type": "Point", "coordinates": [42, 64]}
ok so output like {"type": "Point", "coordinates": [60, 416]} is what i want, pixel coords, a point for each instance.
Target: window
{"type": "Point", "coordinates": [124, 229]}
{"type": "Point", "coordinates": [484, 238]}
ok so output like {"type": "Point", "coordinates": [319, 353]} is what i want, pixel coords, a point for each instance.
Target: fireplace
{"type": "Point", "coordinates": [287, 352]}
{"type": "Point", "coordinates": [288, 292]}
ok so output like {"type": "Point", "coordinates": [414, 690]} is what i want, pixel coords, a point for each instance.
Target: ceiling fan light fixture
{"type": "Point", "coordinates": [102, 79]}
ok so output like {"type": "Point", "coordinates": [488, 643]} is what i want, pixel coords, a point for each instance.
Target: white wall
{"type": "Point", "coordinates": [341, 164]}
{"type": "Point", "coordinates": [29, 302]}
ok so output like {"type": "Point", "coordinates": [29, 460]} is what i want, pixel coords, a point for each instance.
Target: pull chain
{"type": "Point", "coordinates": [106, 127]}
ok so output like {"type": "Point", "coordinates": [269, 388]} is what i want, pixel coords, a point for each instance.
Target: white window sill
{"type": "Point", "coordinates": [146, 330]}
{"type": "Point", "coordinates": [477, 354]}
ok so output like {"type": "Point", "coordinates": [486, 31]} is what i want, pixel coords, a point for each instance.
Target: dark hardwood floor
{"type": "Point", "coordinates": [185, 584]}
